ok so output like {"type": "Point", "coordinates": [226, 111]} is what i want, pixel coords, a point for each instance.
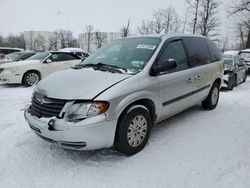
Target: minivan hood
{"type": "Point", "coordinates": [19, 63]}
{"type": "Point", "coordinates": [74, 84]}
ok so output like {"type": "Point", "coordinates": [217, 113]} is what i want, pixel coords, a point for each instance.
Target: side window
{"type": "Point", "coordinates": [61, 57]}
{"type": "Point", "coordinates": [215, 53]}
{"type": "Point", "coordinates": [175, 50]}
{"type": "Point", "coordinates": [197, 50]}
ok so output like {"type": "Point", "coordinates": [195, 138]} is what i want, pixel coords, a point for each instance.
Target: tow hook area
{"type": "Point", "coordinates": [51, 125]}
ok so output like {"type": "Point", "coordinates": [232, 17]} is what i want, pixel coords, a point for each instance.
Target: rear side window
{"type": "Point", "coordinates": [197, 50]}
{"type": "Point", "coordinates": [215, 53]}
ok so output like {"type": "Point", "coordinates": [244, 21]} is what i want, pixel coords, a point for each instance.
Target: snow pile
{"type": "Point", "coordinates": [197, 148]}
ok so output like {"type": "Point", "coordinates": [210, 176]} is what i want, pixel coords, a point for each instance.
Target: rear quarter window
{"type": "Point", "coordinates": [215, 53]}
{"type": "Point", "coordinates": [197, 51]}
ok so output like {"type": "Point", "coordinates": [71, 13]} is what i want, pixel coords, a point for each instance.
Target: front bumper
{"type": "Point", "coordinates": [92, 133]}
{"type": "Point", "coordinates": [225, 80]}
{"type": "Point", "coordinates": [10, 78]}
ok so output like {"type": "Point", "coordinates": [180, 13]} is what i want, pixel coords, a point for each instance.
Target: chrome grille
{"type": "Point", "coordinates": [42, 106]}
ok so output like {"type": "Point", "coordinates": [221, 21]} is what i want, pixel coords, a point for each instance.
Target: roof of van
{"type": "Point", "coordinates": [167, 35]}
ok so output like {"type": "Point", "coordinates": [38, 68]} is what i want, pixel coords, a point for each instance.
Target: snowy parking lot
{"type": "Point", "coordinates": [195, 149]}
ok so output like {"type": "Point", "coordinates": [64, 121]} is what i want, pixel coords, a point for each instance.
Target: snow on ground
{"type": "Point", "coordinates": [195, 149]}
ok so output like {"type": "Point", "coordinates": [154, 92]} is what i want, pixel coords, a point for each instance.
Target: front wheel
{"type": "Point", "coordinates": [133, 130]}
{"type": "Point", "coordinates": [31, 78]}
{"type": "Point", "coordinates": [213, 97]}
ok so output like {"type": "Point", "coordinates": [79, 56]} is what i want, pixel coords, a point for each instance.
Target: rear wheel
{"type": "Point", "coordinates": [133, 130]}
{"type": "Point", "coordinates": [31, 78]}
{"type": "Point", "coordinates": [213, 97]}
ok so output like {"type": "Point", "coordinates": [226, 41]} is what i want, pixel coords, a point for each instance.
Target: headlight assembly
{"type": "Point", "coordinates": [82, 110]}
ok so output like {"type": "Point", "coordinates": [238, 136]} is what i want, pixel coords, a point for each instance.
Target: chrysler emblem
{"type": "Point", "coordinates": [41, 99]}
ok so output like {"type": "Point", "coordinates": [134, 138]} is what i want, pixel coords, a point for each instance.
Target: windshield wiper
{"type": "Point", "coordinates": [102, 66]}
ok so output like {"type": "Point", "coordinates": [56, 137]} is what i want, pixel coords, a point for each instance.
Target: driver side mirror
{"type": "Point", "coordinates": [48, 61]}
{"type": "Point", "coordinates": [166, 65]}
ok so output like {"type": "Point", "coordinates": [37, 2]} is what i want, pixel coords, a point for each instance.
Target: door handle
{"type": "Point", "coordinates": [197, 77]}
{"type": "Point", "coordinates": [189, 80]}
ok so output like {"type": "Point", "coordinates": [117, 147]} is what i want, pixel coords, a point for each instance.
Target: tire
{"type": "Point", "coordinates": [135, 123]}
{"type": "Point", "coordinates": [212, 99]}
{"type": "Point", "coordinates": [245, 77]}
{"type": "Point", "coordinates": [231, 82]}
{"type": "Point", "coordinates": [31, 78]}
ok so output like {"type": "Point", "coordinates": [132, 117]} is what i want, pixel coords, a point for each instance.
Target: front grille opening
{"type": "Point", "coordinates": [42, 106]}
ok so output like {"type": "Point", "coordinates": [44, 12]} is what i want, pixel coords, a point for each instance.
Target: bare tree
{"type": "Point", "coordinates": [184, 22]}
{"type": "Point", "coordinates": [146, 27]}
{"type": "Point", "coordinates": [193, 7]}
{"type": "Point", "coordinates": [99, 39]}
{"type": "Point", "coordinates": [124, 32]}
{"type": "Point", "coordinates": [172, 20]}
{"type": "Point", "coordinates": [53, 41]}
{"type": "Point", "coordinates": [241, 8]}
{"type": "Point", "coordinates": [208, 21]}
{"type": "Point", "coordinates": [15, 41]}
{"type": "Point", "coordinates": [66, 38]}
{"type": "Point", "coordinates": [39, 43]}
{"type": "Point", "coordinates": [158, 21]}
{"type": "Point", "coordinates": [88, 30]}
{"type": "Point", "coordinates": [31, 40]}
{"type": "Point", "coordinates": [163, 21]}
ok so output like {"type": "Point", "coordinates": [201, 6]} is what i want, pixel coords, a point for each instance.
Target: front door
{"type": "Point", "coordinates": [175, 86]}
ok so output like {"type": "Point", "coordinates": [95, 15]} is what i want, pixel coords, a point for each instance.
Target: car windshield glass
{"type": "Point", "coordinates": [131, 54]}
{"type": "Point", "coordinates": [228, 61]}
{"type": "Point", "coordinates": [245, 55]}
{"type": "Point", "coordinates": [12, 56]}
{"type": "Point", "coordinates": [39, 56]}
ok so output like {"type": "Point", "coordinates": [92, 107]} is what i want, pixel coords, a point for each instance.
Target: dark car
{"type": "Point", "coordinates": [235, 70]}
{"type": "Point", "coordinates": [5, 51]}
{"type": "Point", "coordinates": [17, 56]}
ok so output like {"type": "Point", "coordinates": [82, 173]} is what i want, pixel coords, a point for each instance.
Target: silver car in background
{"type": "Point", "coordinates": [121, 91]}
{"type": "Point", "coordinates": [245, 56]}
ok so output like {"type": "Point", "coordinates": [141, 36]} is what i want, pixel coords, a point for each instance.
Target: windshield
{"type": "Point", "coordinates": [245, 55]}
{"type": "Point", "coordinates": [228, 62]}
{"type": "Point", "coordinates": [39, 56]}
{"type": "Point", "coordinates": [130, 53]}
{"type": "Point", "coordinates": [12, 56]}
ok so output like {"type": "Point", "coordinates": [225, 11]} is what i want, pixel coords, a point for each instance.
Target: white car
{"type": "Point", "coordinates": [35, 68]}
{"type": "Point", "coordinates": [77, 51]}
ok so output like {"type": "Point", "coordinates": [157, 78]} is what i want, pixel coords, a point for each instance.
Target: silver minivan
{"type": "Point", "coordinates": [116, 96]}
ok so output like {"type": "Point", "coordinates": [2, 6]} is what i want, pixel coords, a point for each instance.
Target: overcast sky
{"type": "Point", "coordinates": [106, 15]}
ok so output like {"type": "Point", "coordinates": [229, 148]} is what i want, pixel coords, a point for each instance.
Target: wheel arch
{"type": "Point", "coordinates": [218, 81]}
{"type": "Point", "coordinates": [32, 70]}
{"type": "Point", "coordinates": [146, 102]}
